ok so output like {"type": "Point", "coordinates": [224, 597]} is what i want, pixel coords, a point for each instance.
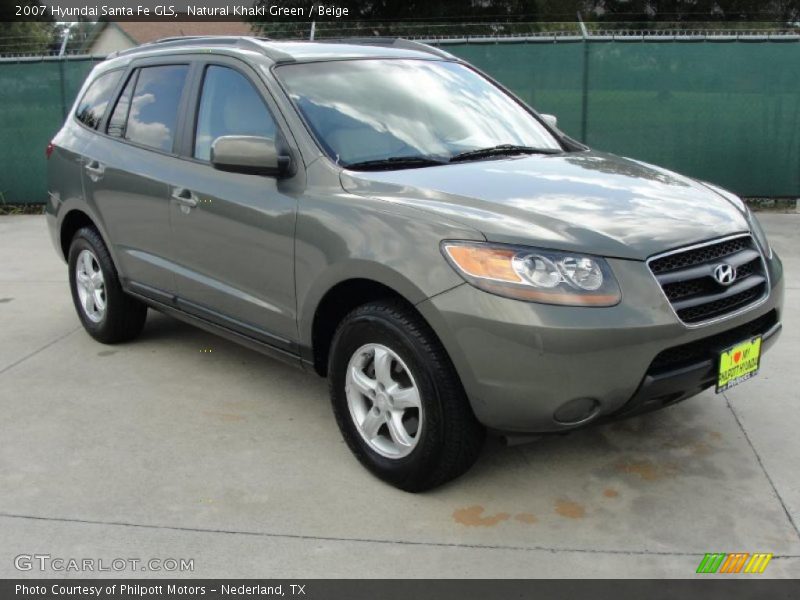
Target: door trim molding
{"type": "Point", "coordinates": [210, 320]}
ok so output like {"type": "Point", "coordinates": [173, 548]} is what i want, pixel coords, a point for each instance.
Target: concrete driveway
{"type": "Point", "coordinates": [183, 445]}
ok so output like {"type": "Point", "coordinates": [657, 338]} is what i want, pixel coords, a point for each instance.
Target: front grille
{"type": "Point", "coordinates": [720, 307]}
{"type": "Point", "coordinates": [710, 347]}
{"type": "Point", "coordinates": [687, 278]}
{"type": "Point", "coordinates": [692, 287]}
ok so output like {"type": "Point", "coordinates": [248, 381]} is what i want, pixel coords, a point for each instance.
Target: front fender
{"type": "Point", "coordinates": [342, 237]}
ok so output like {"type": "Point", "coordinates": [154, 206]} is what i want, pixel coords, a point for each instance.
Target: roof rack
{"type": "Point", "coordinates": [400, 43]}
{"type": "Point", "coordinates": [257, 44]}
{"type": "Point", "coordinates": [246, 42]}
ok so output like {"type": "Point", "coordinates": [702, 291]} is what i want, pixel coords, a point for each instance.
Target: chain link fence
{"type": "Point", "coordinates": [722, 108]}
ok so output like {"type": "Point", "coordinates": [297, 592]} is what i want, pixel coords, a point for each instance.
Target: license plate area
{"type": "Point", "coordinates": [738, 363]}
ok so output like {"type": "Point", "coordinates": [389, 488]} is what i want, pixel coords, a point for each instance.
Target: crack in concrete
{"type": "Point", "coordinates": [761, 464]}
{"type": "Point", "coordinates": [38, 350]}
{"type": "Point", "coordinates": [322, 538]}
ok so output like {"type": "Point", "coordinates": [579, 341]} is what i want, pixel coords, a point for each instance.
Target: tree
{"type": "Point", "coordinates": [769, 11]}
{"type": "Point", "coordinates": [408, 18]}
{"type": "Point", "coordinates": [426, 18]}
{"type": "Point", "coordinates": [28, 37]}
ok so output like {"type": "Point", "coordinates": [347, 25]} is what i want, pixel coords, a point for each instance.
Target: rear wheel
{"type": "Point", "coordinates": [107, 313]}
{"type": "Point", "coordinates": [398, 400]}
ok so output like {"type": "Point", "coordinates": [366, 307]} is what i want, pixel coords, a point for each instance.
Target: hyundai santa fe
{"type": "Point", "coordinates": [383, 214]}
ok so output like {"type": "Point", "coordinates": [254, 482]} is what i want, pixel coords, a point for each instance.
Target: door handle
{"type": "Point", "coordinates": [95, 169]}
{"type": "Point", "coordinates": [184, 197]}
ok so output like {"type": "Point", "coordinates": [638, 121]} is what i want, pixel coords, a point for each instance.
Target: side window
{"type": "Point", "coordinates": [153, 114]}
{"type": "Point", "coordinates": [116, 123]}
{"type": "Point", "coordinates": [93, 105]}
{"type": "Point", "coordinates": [229, 105]}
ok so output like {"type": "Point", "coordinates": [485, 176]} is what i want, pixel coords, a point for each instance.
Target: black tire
{"type": "Point", "coordinates": [450, 439]}
{"type": "Point", "coordinates": [124, 316]}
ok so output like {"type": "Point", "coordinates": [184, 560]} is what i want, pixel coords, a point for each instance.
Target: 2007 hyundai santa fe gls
{"type": "Point", "coordinates": [384, 214]}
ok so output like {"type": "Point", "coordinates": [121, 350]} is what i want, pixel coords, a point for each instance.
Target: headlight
{"type": "Point", "coordinates": [534, 275]}
{"type": "Point", "coordinates": [759, 234]}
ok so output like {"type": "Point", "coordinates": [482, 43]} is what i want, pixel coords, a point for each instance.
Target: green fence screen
{"type": "Point", "coordinates": [724, 112]}
{"type": "Point", "coordinates": [34, 99]}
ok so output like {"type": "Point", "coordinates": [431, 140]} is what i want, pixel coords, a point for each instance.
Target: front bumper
{"type": "Point", "coordinates": [521, 362]}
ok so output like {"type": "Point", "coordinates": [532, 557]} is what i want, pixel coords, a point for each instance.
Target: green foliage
{"type": "Point", "coordinates": [414, 18]}
{"type": "Point", "coordinates": [28, 37]}
{"type": "Point", "coordinates": [693, 11]}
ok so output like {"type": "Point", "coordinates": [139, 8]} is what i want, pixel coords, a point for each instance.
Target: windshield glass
{"type": "Point", "coordinates": [373, 110]}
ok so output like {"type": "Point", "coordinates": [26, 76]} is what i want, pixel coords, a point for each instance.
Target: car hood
{"type": "Point", "coordinates": [589, 201]}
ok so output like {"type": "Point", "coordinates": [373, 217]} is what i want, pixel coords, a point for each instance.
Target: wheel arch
{"type": "Point", "coordinates": [336, 303]}
{"type": "Point", "coordinates": [73, 221]}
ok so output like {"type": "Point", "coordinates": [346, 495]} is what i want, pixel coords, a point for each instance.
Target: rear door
{"type": "Point", "coordinates": [233, 233]}
{"type": "Point", "coordinates": [127, 168]}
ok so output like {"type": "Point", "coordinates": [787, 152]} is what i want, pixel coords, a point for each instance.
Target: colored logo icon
{"type": "Point", "coordinates": [740, 562]}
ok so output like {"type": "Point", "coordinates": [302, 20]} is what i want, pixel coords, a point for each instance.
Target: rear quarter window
{"type": "Point", "coordinates": [93, 105]}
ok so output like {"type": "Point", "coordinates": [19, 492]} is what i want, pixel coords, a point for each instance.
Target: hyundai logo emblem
{"type": "Point", "coordinates": [725, 274]}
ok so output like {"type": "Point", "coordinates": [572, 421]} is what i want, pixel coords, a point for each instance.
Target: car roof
{"type": "Point", "coordinates": [306, 51]}
{"type": "Point", "coordinates": [291, 51]}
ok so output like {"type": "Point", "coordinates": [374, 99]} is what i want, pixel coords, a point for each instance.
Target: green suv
{"type": "Point", "coordinates": [382, 213]}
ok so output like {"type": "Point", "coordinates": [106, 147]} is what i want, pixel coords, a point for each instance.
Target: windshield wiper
{"type": "Point", "coordinates": [503, 150]}
{"type": "Point", "coordinates": [396, 162]}
{"type": "Point", "coordinates": [411, 162]}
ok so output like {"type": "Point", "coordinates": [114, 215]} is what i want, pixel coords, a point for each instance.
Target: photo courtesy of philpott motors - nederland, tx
{"type": "Point", "coordinates": [143, 590]}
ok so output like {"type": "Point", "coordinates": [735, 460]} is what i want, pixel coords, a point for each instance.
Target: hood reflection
{"type": "Point", "coordinates": [590, 201]}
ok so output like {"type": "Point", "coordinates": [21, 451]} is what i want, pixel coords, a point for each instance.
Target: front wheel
{"type": "Point", "coordinates": [398, 400]}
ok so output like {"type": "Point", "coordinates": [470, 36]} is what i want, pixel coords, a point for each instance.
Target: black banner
{"type": "Point", "coordinates": [99, 589]}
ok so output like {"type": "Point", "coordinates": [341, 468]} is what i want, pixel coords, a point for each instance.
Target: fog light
{"type": "Point", "coordinates": [576, 411]}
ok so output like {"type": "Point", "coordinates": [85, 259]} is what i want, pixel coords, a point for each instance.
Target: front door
{"type": "Point", "coordinates": [233, 233]}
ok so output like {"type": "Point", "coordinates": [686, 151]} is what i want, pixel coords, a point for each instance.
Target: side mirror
{"type": "Point", "coordinates": [551, 120]}
{"type": "Point", "coordinates": [249, 154]}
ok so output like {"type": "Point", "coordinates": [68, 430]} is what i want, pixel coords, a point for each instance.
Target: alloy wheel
{"type": "Point", "coordinates": [91, 286]}
{"type": "Point", "coordinates": [384, 401]}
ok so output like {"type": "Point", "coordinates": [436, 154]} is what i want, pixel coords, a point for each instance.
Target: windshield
{"type": "Point", "coordinates": [363, 111]}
